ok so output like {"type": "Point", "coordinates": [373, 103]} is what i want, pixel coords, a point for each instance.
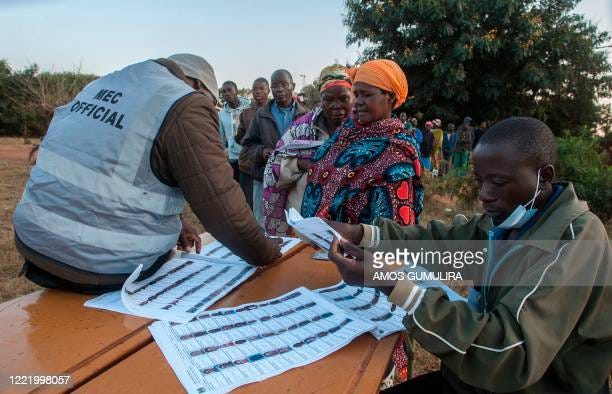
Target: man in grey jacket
{"type": "Point", "coordinates": [269, 124]}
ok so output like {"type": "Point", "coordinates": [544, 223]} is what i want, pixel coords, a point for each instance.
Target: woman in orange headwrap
{"type": "Point", "coordinates": [370, 167]}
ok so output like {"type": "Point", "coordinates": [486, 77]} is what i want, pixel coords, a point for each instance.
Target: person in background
{"type": "Point", "coordinates": [229, 119]}
{"type": "Point", "coordinates": [478, 132]}
{"type": "Point", "coordinates": [106, 196]}
{"type": "Point", "coordinates": [436, 152]}
{"type": "Point", "coordinates": [539, 322]}
{"type": "Point", "coordinates": [267, 127]}
{"type": "Point", "coordinates": [418, 134]}
{"type": "Point", "coordinates": [448, 147]}
{"type": "Point", "coordinates": [286, 171]}
{"type": "Point", "coordinates": [404, 118]}
{"type": "Point", "coordinates": [260, 92]}
{"type": "Point", "coordinates": [369, 167]}
{"type": "Point", "coordinates": [465, 138]}
{"type": "Point", "coordinates": [427, 146]}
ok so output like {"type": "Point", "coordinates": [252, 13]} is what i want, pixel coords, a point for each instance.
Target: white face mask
{"type": "Point", "coordinates": [522, 215]}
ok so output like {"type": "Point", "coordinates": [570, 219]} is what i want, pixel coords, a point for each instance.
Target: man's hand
{"type": "Point", "coordinates": [276, 242]}
{"type": "Point", "coordinates": [350, 267]}
{"type": "Point", "coordinates": [350, 232]}
{"type": "Point", "coordinates": [303, 164]}
{"type": "Point", "coordinates": [188, 238]}
{"type": "Point", "coordinates": [266, 152]}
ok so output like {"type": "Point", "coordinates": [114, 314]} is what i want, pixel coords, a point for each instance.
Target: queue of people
{"type": "Point", "coordinates": [102, 199]}
{"type": "Point", "coordinates": [445, 150]}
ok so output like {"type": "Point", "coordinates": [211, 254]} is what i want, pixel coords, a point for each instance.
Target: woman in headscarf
{"type": "Point", "coordinates": [285, 173]}
{"type": "Point", "coordinates": [370, 167]}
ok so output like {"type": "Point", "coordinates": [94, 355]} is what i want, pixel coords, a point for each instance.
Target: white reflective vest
{"type": "Point", "coordinates": [92, 201]}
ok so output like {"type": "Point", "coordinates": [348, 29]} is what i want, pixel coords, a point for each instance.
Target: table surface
{"type": "Point", "coordinates": [50, 332]}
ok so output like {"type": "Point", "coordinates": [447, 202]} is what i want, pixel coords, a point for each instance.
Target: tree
{"type": "Point", "coordinates": [33, 96]}
{"type": "Point", "coordinates": [311, 94]}
{"type": "Point", "coordinates": [489, 58]}
{"type": "Point", "coordinates": [9, 118]}
{"type": "Point", "coordinates": [244, 92]}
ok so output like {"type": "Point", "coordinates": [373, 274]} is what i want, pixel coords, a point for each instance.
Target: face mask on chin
{"type": "Point", "coordinates": [522, 215]}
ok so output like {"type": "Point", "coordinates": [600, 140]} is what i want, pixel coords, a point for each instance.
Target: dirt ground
{"type": "Point", "coordinates": [13, 176]}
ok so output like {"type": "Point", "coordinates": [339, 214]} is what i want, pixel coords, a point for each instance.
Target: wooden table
{"type": "Point", "coordinates": [358, 367]}
{"type": "Point", "coordinates": [50, 332]}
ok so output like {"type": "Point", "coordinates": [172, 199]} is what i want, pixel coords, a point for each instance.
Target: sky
{"type": "Point", "coordinates": [241, 39]}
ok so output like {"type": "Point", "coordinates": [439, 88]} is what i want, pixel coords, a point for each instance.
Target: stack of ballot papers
{"type": "Point", "coordinates": [184, 286]}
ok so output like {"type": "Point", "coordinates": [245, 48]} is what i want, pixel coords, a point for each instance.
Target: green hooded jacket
{"type": "Point", "coordinates": [531, 338]}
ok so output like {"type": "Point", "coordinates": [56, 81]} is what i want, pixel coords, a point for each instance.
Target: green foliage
{"type": "Point", "coordinates": [490, 59]}
{"type": "Point", "coordinates": [10, 120]}
{"type": "Point", "coordinates": [311, 94]}
{"type": "Point", "coordinates": [463, 188]}
{"type": "Point", "coordinates": [29, 97]}
{"type": "Point", "coordinates": [581, 161]}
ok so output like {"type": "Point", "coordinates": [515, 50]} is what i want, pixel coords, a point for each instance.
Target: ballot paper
{"type": "Point", "coordinates": [227, 348]}
{"type": "Point", "coordinates": [183, 286]}
{"type": "Point", "coordinates": [110, 301]}
{"type": "Point", "coordinates": [315, 229]}
{"type": "Point", "coordinates": [368, 304]}
{"type": "Point", "coordinates": [216, 251]}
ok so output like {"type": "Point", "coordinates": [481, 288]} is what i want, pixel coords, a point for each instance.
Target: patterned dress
{"type": "Point", "coordinates": [361, 173]}
{"type": "Point", "coordinates": [300, 141]}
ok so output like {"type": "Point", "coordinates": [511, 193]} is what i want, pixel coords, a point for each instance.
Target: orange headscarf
{"type": "Point", "coordinates": [384, 74]}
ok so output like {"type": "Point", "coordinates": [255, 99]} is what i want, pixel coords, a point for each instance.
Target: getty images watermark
{"type": "Point", "coordinates": [497, 263]}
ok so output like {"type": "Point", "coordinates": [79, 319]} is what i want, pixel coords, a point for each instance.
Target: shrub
{"type": "Point", "coordinates": [464, 188]}
{"type": "Point", "coordinates": [581, 161]}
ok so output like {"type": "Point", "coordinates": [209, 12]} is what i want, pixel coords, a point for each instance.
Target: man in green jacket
{"type": "Point", "coordinates": [540, 322]}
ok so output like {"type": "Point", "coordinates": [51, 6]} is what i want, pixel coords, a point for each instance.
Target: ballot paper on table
{"type": "Point", "coordinates": [369, 304]}
{"type": "Point", "coordinates": [315, 229]}
{"type": "Point", "coordinates": [227, 348]}
{"type": "Point", "coordinates": [184, 286]}
{"type": "Point", "coordinates": [110, 301]}
{"type": "Point", "coordinates": [216, 251]}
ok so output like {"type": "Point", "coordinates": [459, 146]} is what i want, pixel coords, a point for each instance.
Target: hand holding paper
{"type": "Point", "coordinates": [315, 229]}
